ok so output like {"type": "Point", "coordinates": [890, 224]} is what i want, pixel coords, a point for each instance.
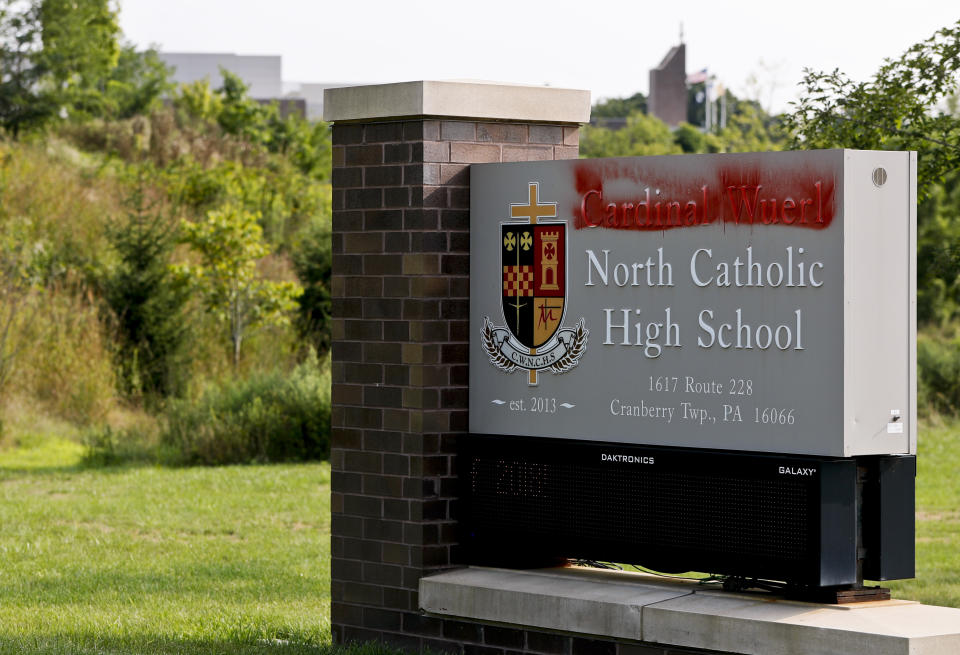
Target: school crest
{"type": "Point", "coordinates": [533, 262]}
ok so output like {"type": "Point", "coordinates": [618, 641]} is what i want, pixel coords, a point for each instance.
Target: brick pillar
{"type": "Point", "coordinates": [401, 200]}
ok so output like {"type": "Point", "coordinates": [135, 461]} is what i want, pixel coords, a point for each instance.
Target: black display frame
{"type": "Point", "coordinates": [538, 501]}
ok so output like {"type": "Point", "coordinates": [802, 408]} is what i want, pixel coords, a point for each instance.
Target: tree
{"type": "Point", "coordinates": [690, 138]}
{"type": "Point", "coordinates": [643, 135]}
{"type": "Point", "coordinates": [146, 298]}
{"type": "Point", "coordinates": [239, 114]}
{"type": "Point", "coordinates": [620, 107]}
{"type": "Point", "coordinates": [749, 128]}
{"type": "Point", "coordinates": [307, 145]}
{"type": "Point", "coordinates": [62, 56]}
{"type": "Point", "coordinates": [313, 263]}
{"type": "Point", "coordinates": [80, 49]}
{"type": "Point", "coordinates": [901, 108]}
{"type": "Point", "coordinates": [198, 101]}
{"type": "Point", "coordinates": [229, 242]}
{"type": "Point", "coordinates": [23, 104]}
{"type": "Point", "coordinates": [136, 84]}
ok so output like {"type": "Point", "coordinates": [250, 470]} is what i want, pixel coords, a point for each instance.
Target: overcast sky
{"type": "Point", "coordinates": [605, 47]}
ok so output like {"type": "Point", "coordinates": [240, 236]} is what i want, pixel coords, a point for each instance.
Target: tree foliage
{"type": "Point", "coordinates": [80, 49]}
{"type": "Point", "coordinates": [147, 300]}
{"type": "Point", "coordinates": [199, 101]}
{"type": "Point", "coordinates": [643, 135]}
{"type": "Point", "coordinates": [239, 114]}
{"type": "Point", "coordinates": [689, 138]}
{"type": "Point", "coordinates": [903, 107]}
{"type": "Point", "coordinates": [748, 129]}
{"type": "Point", "coordinates": [229, 244]}
{"type": "Point", "coordinates": [135, 85]}
{"type": "Point", "coordinates": [306, 145]}
{"type": "Point", "coordinates": [620, 107]}
{"type": "Point", "coordinates": [938, 253]}
{"type": "Point", "coordinates": [63, 58]}
{"type": "Point", "coordinates": [313, 262]}
{"type": "Point", "coordinates": [22, 104]}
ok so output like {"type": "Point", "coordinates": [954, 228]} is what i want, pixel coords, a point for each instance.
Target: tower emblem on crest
{"type": "Point", "coordinates": [533, 259]}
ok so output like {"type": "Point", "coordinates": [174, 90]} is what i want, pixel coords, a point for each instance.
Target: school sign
{"type": "Point", "coordinates": [755, 302]}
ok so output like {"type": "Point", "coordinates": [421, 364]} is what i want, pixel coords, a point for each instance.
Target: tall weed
{"type": "Point", "coordinates": [53, 206]}
{"type": "Point", "coordinates": [67, 363]}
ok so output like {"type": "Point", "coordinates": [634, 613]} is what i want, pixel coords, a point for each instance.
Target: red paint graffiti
{"type": "Point", "coordinates": [739, 196]}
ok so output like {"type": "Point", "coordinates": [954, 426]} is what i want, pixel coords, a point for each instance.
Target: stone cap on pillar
{"type": "Point", "coordinates": [457, 99]}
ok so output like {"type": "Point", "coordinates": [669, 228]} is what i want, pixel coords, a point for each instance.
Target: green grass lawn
{"type": "Point", "coordinates": [236, 559]}
{"type": "Point", "coordinates": [153, 560]}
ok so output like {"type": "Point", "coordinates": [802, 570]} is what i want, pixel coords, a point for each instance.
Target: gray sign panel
{"type": "Point", "coordinates": [759, 302]}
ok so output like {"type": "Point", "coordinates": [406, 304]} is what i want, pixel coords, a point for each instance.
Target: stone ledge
{"type": "Point", "coordinates": [572, 600]}
{"type": "Point", "coordinates": [457, 99]}
{"type": "Point", "coordinates": [655, 610]}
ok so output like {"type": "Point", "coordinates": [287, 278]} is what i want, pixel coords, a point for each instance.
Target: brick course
{"type": "Point", "coordinates": [399, 365]}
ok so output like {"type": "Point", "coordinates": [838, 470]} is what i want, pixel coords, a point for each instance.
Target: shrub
{"type": "Point", "coordinates": [265, 418]}
{"type": "Point", "coordinates": [313, 262]}
{"type": "Point", "coordinates": [938, 371]}
{"type": "Point", "coordinates": [108, 446]}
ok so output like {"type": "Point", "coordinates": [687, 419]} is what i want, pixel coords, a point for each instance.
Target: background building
{"type": "Point", "coordinates": [668, 87]}
{"type": "Point", "coordinates": [263, 74]}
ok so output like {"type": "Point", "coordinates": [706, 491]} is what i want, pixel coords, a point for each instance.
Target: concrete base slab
{"type": "Point", "coordinates": [646, 608]}
{"type": "Point", "coordinates": [570, 599]}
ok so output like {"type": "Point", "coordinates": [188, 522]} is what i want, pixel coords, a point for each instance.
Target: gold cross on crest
{"type": "Point", "coordinates": [533, 209]}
